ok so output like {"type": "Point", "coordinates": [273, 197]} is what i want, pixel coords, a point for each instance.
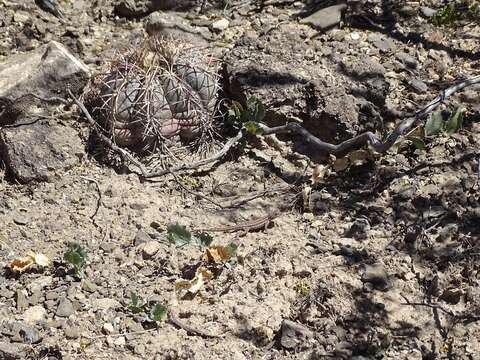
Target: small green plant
{"type": "Point", "coordinates": [437, 124]}
{"type": "Point", "coordinates": [151, 311]}
{"type": "Point", "coordinates": [451, 13]}
{"type": "Point", "coordinates": [248, 117]}
{"type": "Point", "coordinates": [76, 257]}
{"type": "Point", "coordinates": [180, 236]}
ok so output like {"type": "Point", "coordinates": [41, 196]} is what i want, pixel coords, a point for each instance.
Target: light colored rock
{"type": "Point", "coordinates": [35, 314]}
{"type": "Point", "coordinates": [150, 249]}
{"type": "Point", "coordinates": [108, 329]}
{"type": "Point", "coordinates": [45, 71]}
{"type": "Point", "coordinates": [220, 25]}
{"type": "Point", "coordinates": [65, 308]}
{"type": "Point", "coordinates": [105, 304]}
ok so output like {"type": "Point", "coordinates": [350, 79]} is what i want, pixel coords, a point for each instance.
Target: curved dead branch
{"type": "Point", "coordinates": [368, 137]}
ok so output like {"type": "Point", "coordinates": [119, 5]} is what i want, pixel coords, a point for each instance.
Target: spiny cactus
{"type": "Point", "coordinates": [160, 91]}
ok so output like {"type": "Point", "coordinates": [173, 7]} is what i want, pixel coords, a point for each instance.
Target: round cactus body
{"type": "Point", "coordinates": [155, 93]}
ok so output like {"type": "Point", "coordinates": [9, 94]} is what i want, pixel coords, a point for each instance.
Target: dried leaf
{"type": "Point", "coordinates": [189, 288]}
{"type": "Point", "coordinates": [359, 157]}
{"type": "Point", "coordinates": [19, 265]}
{"type": "Point", "coordinates": [219, 254]}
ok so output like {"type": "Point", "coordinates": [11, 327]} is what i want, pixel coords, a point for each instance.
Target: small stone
{"type": "Point", "coordinates": [407, 60]}
{"type": "Point", "coordinates": [326, 18]}
{"type": "Point", "coordinates": [220, 25]}
{"type": "Point", "coordinates": [35, 314]}
{"type": "Point", "coordinates": [72, 332]}
{"type": "Point", "coordinates": [355, 36]}
{"type": "Point", "coordinates": [359, 229]}
{"type": "Point", "coordinates": [294, 334]}
{"type": "Point", "coordinates": [65, 308]}
{"type": "Point", "coordinates": [150, 249]}
{"type": "Point", "coordinates": [139, 350]}
{"type": "Point", "coordinates": [105, 304]}
{"type": "Point", "coordinates": [120, 341]}
{"type": "Point", "coordinates": [21, 218]}
{"type": "Point", "coordinates": [418, 85]}
{"type": "Point", "coordinates": [141, 237]}
{"type": "Point", "coordinates": [9, 351]}
{"type": "Point", "coordinates": [452, 295]}
{"type": "Point", "coordinates": [20, 332]}
{"type": "Point", "coordinates": [21, 299]}
{"type": "Point", "coordinates": [427, 12]}
{"type": "Point", "coordinates": [108, 329]}
{"type": "Point", "coordinates": [376, 275]}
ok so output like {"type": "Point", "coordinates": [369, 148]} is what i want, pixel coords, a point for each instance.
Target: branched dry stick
{"type": "Point", "coordinates": [369, 137]}
{"type": "Point", "coordinates": [344, 147]}
{"type": "Point", "coordinates": [430, 305]}
{"type": "Point", "coordinates": [146, 174]}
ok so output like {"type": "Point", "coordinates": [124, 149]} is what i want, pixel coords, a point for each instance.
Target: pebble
{"type": "Point", "coordinates": [72, 332]}
{"type": "Point", "coordinates": [141, 237]}
{"type": "Point", "coordinates": [119, 341]}
{"type": "Point", "coordinates": [407, 60]}
{"type": "Point", "coordinates": [376, 275]}
{"type": "Point", "coordinates": [21, 299]}
{"type": "Point", "coordinates": [427, 12]}
{"type": "Point", "coordinates": [150, 249]}
{"type": "Point", "coordinates": [105, 304]}
{"type": "Point", "coordinates": [35, 314]}
{"type": "Point", "coordinates": [220, 25]}
{"type": "Point", "coordinates": [294, 334]}
{"type": "Point", "coordinates": [108, 329]}
{"type": "Point", "coordinates": [65, 308]}
{"type": "Point", "coordinates": [418, 85]}
{"type": "Point", "coordinates": [9, 351]}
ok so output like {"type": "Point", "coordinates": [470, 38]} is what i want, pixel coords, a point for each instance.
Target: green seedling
{"type": "Point", "coordinates": [151, 311]}
{"type": "Point", "coordinates": [180, 236]}
{"type": "Point", "coordinates": [76, 257]}
{"type": "Point", "coordinates": [248, 116]}
{"type": "Point", "coordinates": [437, 124]}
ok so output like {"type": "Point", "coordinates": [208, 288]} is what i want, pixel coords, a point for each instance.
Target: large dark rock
{"type": "Point", "coordinates": [38, 151]}
{"type": "Point", "coordinates": [139, 8]}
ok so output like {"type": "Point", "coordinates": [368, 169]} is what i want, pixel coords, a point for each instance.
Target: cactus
{"type": "Point", "coordinates": [159, 91]}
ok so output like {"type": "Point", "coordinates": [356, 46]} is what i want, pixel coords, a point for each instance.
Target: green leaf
{"type": "Point", "coordinates": [76, 257]}
{"type": "Point", "coordinates": [253, 128]}
{"type": "Point", "coordinates": [178, 235]}
{"type": "Point", "coordinates": [158, 312]}
{"type": "Point", "coordinates": [203, 239]}
{"type": "Point", "coordinates": [455, 121]}
{"type": "Point", "coordinates": [418, 143]}
{"type": "Point", "coordinates": [231, 249]}
{"type": "Point", "coordinates": [134, 299]}
{"type": "Point", "coordinates": [434, 124]}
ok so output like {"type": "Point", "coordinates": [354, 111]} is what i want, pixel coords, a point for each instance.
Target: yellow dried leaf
{"type": "Point", "coordinates": [217, 254]}
{"type": "Point", "coordinates": [189, 288]}
{"type": "Point", "coordinates": [21, 264]}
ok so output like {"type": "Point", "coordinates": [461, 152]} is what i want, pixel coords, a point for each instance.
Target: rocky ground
{"type": "Point", "coordinates": [368, 259]}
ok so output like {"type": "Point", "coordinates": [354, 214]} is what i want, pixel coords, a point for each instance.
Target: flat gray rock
{"type": "Point", "coordinates": [39, 151]}
{"type": "Point", "coordinates": [326, 18]}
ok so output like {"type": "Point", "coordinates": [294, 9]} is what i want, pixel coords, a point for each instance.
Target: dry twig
{"type": "Point", "coordinates": [368, 137]}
